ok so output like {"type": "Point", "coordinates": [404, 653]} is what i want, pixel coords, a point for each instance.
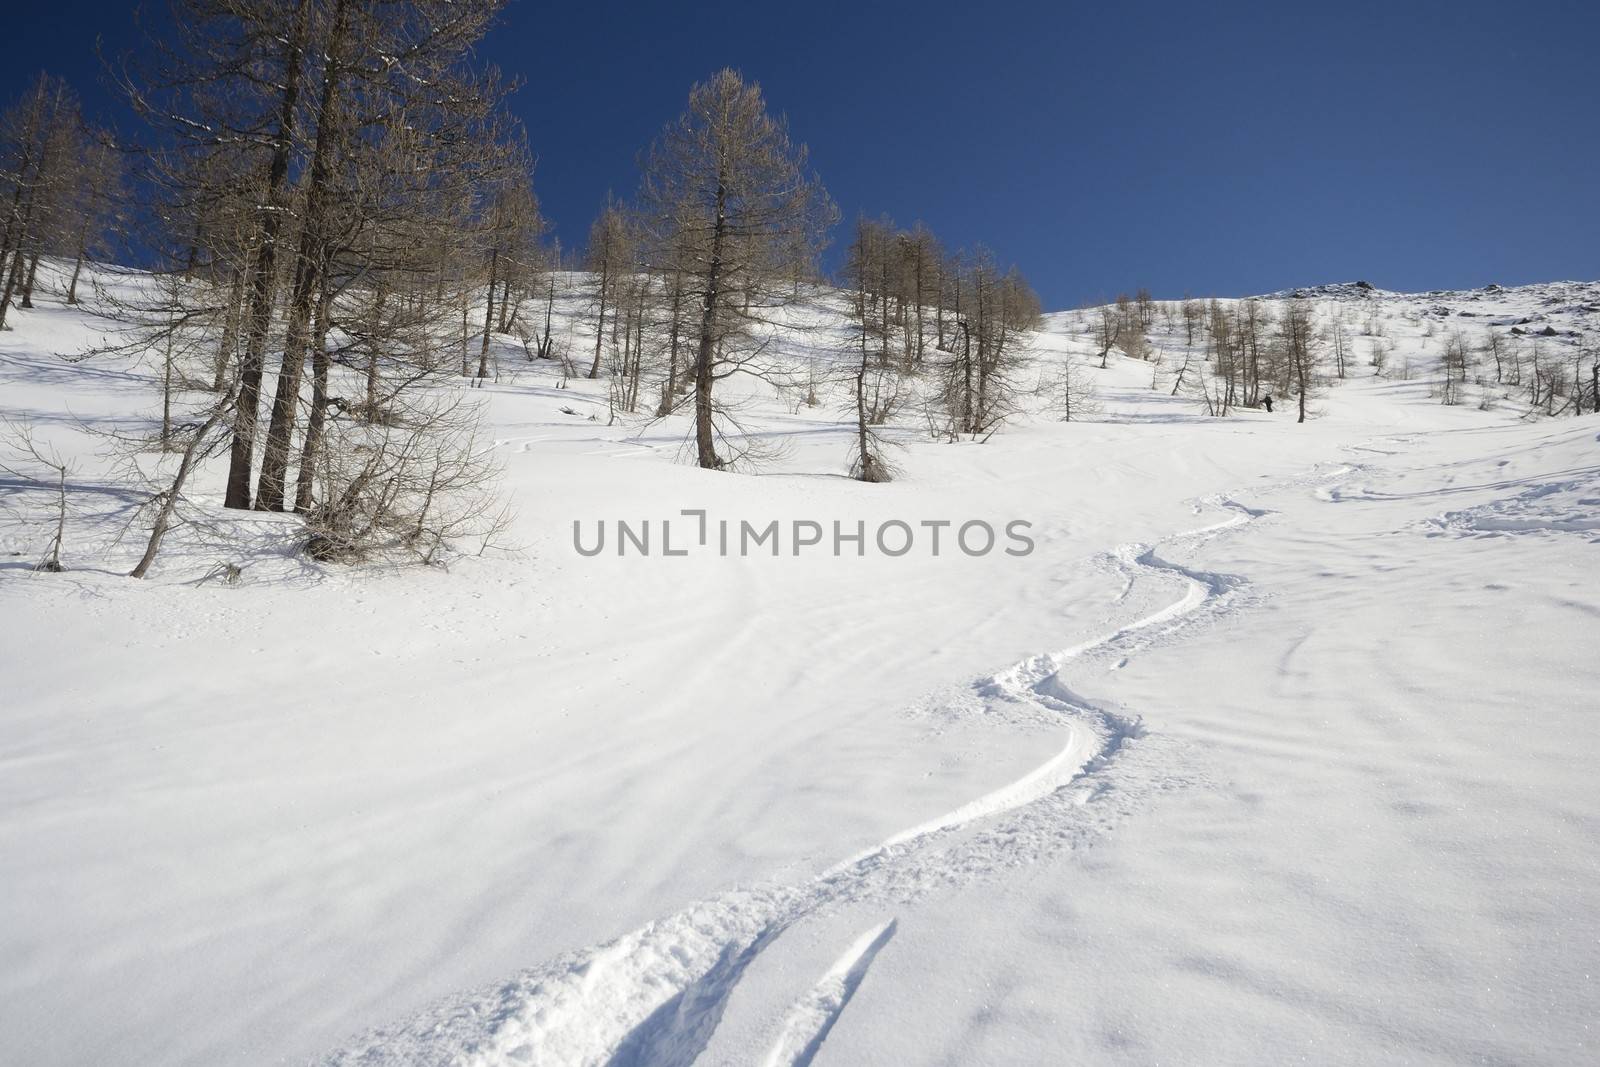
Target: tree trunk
{"type": "Point", "coordinates": [671, 392]}
{"type": "Point", "coordinates": [549, 307]}
{"type": "Point", "coordinates": [488, 315]}
{"type": "Point", "coordinates": [308, 262]}
{"type": "Point", "coordinates": [169, 499]}
{"type": "Point", "coordinates": [966, 368]}
{"type": "Point", "coordinates": [263, 275]}
{"type": "Point", "coordinates": [77, 269]}
{"type": "Point", "coordinates": [230, 332]}
{"type": "Point", "coordinates": [166, 388]}
{"type": "Point", "coordinates": [21, 201]}
{"type": "Point", "coordinates": [638, 355]}
{"type": "Point", "coordinates": [883, 310]}
{"type": "Point", "coordinates": [27, 286]}
{"type": "Point", "coordinates": [311, 448]}
{"type": "Point", "coordinates": [371, 406]}
{"type": "Point", "coordinates": [705, 439]}
{"type": "Point", "coordinates": [13, 280]}
{"type": "Point", "coordinates": [919, 306]}
{"type": "Point", "coordinates": [863, 439]}
{"type": "Point", "coordinates": [507, 318]}
{"type": "Point", "coordinates": [600, 328]}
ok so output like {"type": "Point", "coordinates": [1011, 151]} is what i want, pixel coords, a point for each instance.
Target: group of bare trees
{"type": "Point", "coordinates": [1553, 375]}
{"type": "Point", "coordinates": [732, 213]}
{"type": "Point", "coordinates": [911, 287]}
{"type": "Point", "coordinates": [345, 227]}
{"type": "Point", "coordinates": [957, 322]}
{"type": "Point", "coordinates": [1229, 354]}
{"type": "Point", "coordinates": [692, 279]}
{"type": "Point", "coordinates": [59, 180]}
{"type": "Point", "coordinates": [1260, 347]}
{"type": "Point", "coordinates": [340, 201]}
{"type": "Point", "coordinates": [1255, 349]}
{"type": "Point", "coordinates": [998, 309]}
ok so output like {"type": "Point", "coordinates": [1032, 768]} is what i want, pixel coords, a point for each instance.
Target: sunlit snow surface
{"type": "Point", "coordinates": [1280, 747]}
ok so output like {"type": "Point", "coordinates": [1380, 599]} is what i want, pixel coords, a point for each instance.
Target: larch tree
{"type": "Point", "coordinates": [729, 189]}
{"type": "Point", "coordinates": [610, 260]}
{"type": "Point", "coordinates": [1108, 326]}
{"type": "Point", "coordinates": [316, 168]}
{"type": "Point", "coordinates": [979, 384]}
{"type": "Point", "coordinates": [41, 142]}
{"type": "Point", "coordinates": [291, 92]}
{"type": "Point", "coordinates": [1299, 346]}
{"type": "Point", "coordinates": [95, 209]}
{"type": "Point", "coordinates": [870, 375]}
{"type": "Point", "coordinates": [377, 63]}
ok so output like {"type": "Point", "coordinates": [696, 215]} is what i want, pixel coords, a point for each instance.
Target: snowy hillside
{"type": "Point", "coordinates": [1278, 745]}
{"type": "Point", "coordinates": [1565, 309]}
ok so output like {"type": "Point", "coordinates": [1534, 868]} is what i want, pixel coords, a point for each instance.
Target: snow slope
{"type": "Point", "coordinates": [1280, 745]}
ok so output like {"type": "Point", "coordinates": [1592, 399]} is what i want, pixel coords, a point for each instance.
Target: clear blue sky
{"type": "Point", "coordinates": [1213, 148]}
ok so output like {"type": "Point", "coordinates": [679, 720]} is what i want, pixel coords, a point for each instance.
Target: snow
{"type": "Point", "coordinates": [1281, 744]}
{"type": "Point", "coordinates": [812, 1016]}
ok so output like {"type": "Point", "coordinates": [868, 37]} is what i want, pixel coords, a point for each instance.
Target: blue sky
{"type": "Point", "coordinates": [1210, 148]}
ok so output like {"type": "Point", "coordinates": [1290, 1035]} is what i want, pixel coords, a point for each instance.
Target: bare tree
{"type": "Point", "coordinates": [42, 465]}
{"type": "Point", "coordinates": [733, 195]}
{"type": "Point", "coordinates": [1252, 321]}
{"type": "Point", "coordinates": [1454, 360]}
{"type": "Point", "coordinates": [339, 180]}
{"type": "Point", "coordinates": [233, 76]}
{"type": "Point", "coordinates": [1299, 348]}
{"type": "Point", "coordinates": [1194, 319]}
{"type": "Point", "coordinates": [1225, 353]}
{"type": "Point", "coordinates": [1337, 335]}
{"type": "Point", "coordinates": [40, 145]}
{"type": "Point", "coordinates": [1107, 331]}
{"type": "Point", "coordinates": [862, 268]}
{"type": "Point", "coordinates": [610, 259]}
{"type": "Point", "coordinates": [979, 384]}
{"type": "Point", "coordinates": [164, 504]}
{"type": "Point", "coordinates": [1070, 389]}
{"type": "Point", "coordinates": [312, 83]}
{"type": "Point", "coordinates": [95, 207]}
{"type": "Point", "coordinates": [1496, 349]}
{"type": "Point", "coordinates": [510, 230]}
{"type": "Point", "coordinates": [1145, 309]}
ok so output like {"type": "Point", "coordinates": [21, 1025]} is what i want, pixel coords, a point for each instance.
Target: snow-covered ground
{"type": "Point", "coordinates": [1280, 746]}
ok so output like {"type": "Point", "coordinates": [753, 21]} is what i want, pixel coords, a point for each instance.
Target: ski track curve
{"type": "Point", "coordinates": [655, 996]}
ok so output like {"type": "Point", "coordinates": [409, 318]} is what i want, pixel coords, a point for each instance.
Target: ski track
{"type": "Point", "coordinates": [808, 1022]}
{"type": "Point", "coordinates": [656, 995]}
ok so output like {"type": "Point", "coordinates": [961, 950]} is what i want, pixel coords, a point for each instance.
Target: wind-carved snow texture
{"type": "Point", "coordinates": [1563, 505]}
{"type": "Point", "coordinates": [1565, 502]}
{"type": "Point", "coordinates": [656, 996]}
